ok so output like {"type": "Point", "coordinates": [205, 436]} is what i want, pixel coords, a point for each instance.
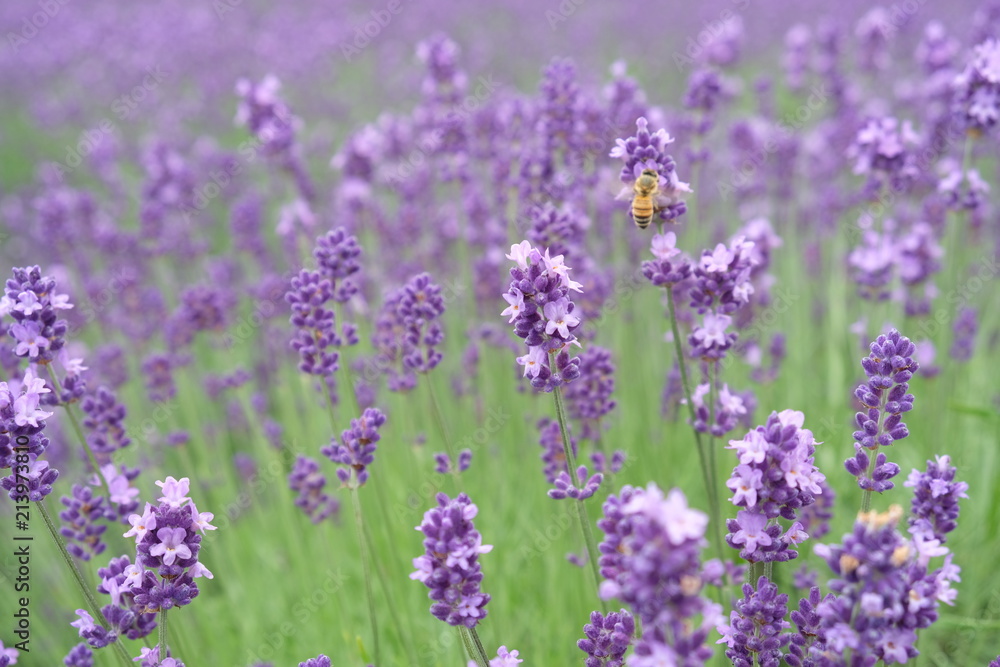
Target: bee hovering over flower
{"type": "Point", "coordinates": [651, 193]}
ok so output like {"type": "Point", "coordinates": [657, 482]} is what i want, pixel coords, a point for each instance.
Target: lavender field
{"type": "Point", "coordinates": [484, 334]}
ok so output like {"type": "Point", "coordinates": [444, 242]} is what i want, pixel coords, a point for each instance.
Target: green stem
{"type": "Point", "coordinates": [474, 646]}
{"type": "Point", "coordinates": [87, 593]}
{"type": "Point", "coordinates": [581, 509]}
{"type": "Point", "coordinates": [164, 646]}
{"type": "Point", "coordinates": [366, 565]}
{"type": "Point", "coordinates": [439, 419]}
{"type": "Point", "coordinates": [703, 455]}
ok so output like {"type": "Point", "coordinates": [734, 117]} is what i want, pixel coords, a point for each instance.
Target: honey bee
{"type": "Point", "coordinates": [645, 194]}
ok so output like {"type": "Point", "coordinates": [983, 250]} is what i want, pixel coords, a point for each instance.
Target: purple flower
{"type": "Point", "coordinates": [316, 337]}
{"type": "Point", "coordinates": [167, 550]}
{"type": "Point", "coordinates": [408, 331]}
{"type": "Point", "coordinates": [977, 88]}
{"type": "Point", "coordinates": [965, 329]}
{"type": "Point", "coordinates": [450, 567]}
{"type": "Point", "coordinates": [553, 454]}
{"type": "Point", "coordinates": [755, 634]}
{"type": "Point", "coordinates": [30, 299]}
{"type": "Point", "coordinates": [201, 308]}
{"type": "Point", "coordinates": [883, 150]}
{"type": "Point", "coordinates": [589, 399]}
{"type": "Point", "coordinates": [78, 656]}
{"type": "Point", "coordinates": [159, 379]}
{"type": "Point", "coordinates": [889, 368]}
{"type": "Point", "coordinates": [711, 340]}
{"type": "Point", "coordinates": [117, 581]}
{"type": "Point", "coordinates": [319, 661]}
{"type": "Point", "coordinates": [21, 434]}
{"type": "Point", "coordinates": [306, 479]}
{"type": "Point", "coordinates": [545, 316]}
{"type": "Point", "coordinates": [934, 510]}
{"type": "Point", "coordinates": [665, 270]}
{"type": "Point", "coordinates": [104, 417]}
{"type": "Point", "coordinates": [80, 522]}
{"type": "Point", "coordinates": [882, 594]}
{"type": "Point", "coordinates": [336, 255]}
{"type": "Point", "coordinates": [647, 150]}
{"type": "Point", "coordinates": [650, 560]}
{"type": "Point", "coordinates": [566, 489]}
{"type": "Point", "coordinates": [357, 449]}
{"type": "Point", "coordinates": [607, 638]}
{"type": "Point", "coordinates": [444, 464]}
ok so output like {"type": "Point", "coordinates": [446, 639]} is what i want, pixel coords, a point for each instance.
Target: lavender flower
{"type": "Point", "coordinates": [883, 592]}
{"type": "Point", "coordinates": [934, 511]}
{"type": "Point", "coordinates": [977, 88]}
{"type": "Point", "coordinates": [159, 379]}
{"type": "Point", "coordinates": [444, 465]}
{"type": "Point", "coordinates": [889, 368]}
{"type": "Point", "coordinates": [607, 638]}
{"type": "Point", "coordinates": [309, 482]}
{"type": "Point", "coordinates": [650, 560]}
{"type": "Point", "coordinates": [730, 408]}
{"type": "Point", "coordinates": [965, 329]}
{"type": "Point", "coordinates": [722, 277]}
{"type": "Point", "coordinates": [409, 331]}
{"type": "Point", "coordinates": [336, 255]}
{"type": "Point", "coordinates": [103, 420]}
{"type": "Point", "coordinates": [117, 580]}
{"type": "Point", "coordinates": [880, 151]}
{"type": "Point", "coordinates": [357, 449]}
{"type": "Point", "coordinates": [78, 656]}
{"type": "Point", "coordinates": [23, 442]}
{"type": "Point", "coordinates": [80, 522]}
{"type": "Point", "coordinates": [201, 308]}
{"type": "Point", "coordinates": [665, 270]}
{"type": "Point", "coordinates": [450, 568]}
{"type": "Point", "coordinates": [775, 478]}
{"type": "Point", "coordinates": [543, 315]}
{"type": "Point", "coordinates": [755, 634]}
{"type": "Point", "coordinates": [167, 549]}
{"type": "Point", "coordinates": [590, 398]}
{"type": "Point", "coordinates": [566, 489]}
{"type": "Point", "coordinates": [648, 151]}
{"type": "Point", "coordinates": [315, 337]}
{"type": "Point", "coordinates": [319, 661]}
{"type": "Point", "coordinates": [553, 454]}
{"type": "Point", "coordinates": [30, 299]}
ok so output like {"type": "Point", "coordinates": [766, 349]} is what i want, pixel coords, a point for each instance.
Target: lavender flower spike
{"type": "Point", "coordinates": [543, 315]}
{"type": "Point", "coordinates": [450, 567]}
{"type": "Point", "coordinates": [889, 368]}
{"type": "Point", "coordinates": [357, 450]}
{"type": "Point", "coordinates": [607, 638]}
